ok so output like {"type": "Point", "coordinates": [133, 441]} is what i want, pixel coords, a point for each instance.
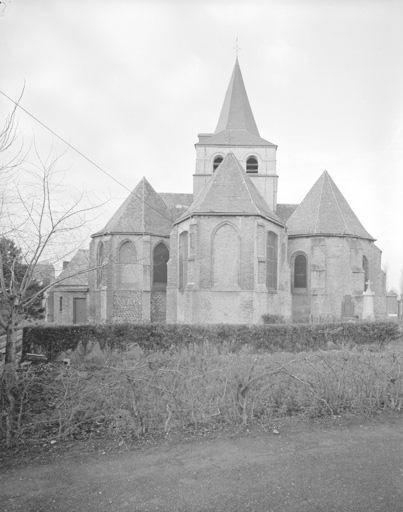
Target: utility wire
{"type": "Point", "coordinates": [18, 105]}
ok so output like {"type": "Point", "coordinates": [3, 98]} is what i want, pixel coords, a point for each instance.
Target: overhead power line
{"type": "Point", "coordinates": [17, 104]}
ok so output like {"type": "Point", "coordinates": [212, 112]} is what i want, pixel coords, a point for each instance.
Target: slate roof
{"type": "Point", "coordinates": [236, 125]}
{"type": "Point", "coordinates": [80, 261]}
{"type": "Point", "coordinates": [177, 203]}
{"type": "Point", "coordinates": [284, 211]}
{"type": "Point", "coordinates": [144, 211]}
{"type": "Point", "coordinates": [325, 212]}
{"type": "Point", "coordinates": [44, 272]}
{"type": "Point", "coordinates": [230, 191]}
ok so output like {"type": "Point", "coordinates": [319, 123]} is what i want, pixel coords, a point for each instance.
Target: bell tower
{"type": "Point", "coordinates": [237, 133]}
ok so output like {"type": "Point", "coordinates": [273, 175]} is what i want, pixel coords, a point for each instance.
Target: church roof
{"type": "Point", "coordinates": [325, 212]}
{"type": "Point", "coordinates": [230, 192]}
{"type": "Point", "coordinates": [79, 262]}
{"type": "Point", "coordinates": [176, 202]}
{"type": "Point", "coordinates": [284, 211]}
{"type": "Point", "coordinates": [236, 124]}
{"type": "Point", "coordinates": [144, 211]}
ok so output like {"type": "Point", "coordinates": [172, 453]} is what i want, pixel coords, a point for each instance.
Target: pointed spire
{"type": "Point", "coordinates": [143, 211]}
{"type": "Point", "coordinates": [230, 191]}
{"type": "Point", "coordinates": [236, 125]}
{"type": "Point", "coordinates": [236, 113]}
{"type": "Point", "coordinates": [325, 212]}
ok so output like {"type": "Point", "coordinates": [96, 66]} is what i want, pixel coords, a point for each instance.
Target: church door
{"type": "Point", "coordinates": [79, 310]}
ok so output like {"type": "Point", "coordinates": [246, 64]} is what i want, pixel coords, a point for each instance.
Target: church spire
{"type": "Point", "coordinates": [236, 113]}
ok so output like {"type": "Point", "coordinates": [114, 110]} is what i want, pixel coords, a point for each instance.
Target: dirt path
{"type": "Point", "coordinates": [306, 469]}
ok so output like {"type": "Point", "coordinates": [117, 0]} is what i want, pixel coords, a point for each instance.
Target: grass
{"type": "Point", "coordinates": [135, 394]}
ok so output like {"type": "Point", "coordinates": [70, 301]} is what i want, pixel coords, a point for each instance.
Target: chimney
{"type": "Point", "coordinates": [65, 263]}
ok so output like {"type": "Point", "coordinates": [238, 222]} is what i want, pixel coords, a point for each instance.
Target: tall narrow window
{"type": "Point", "coordinates": [252, 165]}
{"type": "Point", "coordinates": [100, 263]}
{"type": "Point", "coordinates": [365, 268]}
{"type": "Point", "coordinates": [183, 259]}
{"type": "Point", "coordinates": [217, 160]}
{"type": "Point", "coordinates": [300, 271]}
{"type": "Point", "coordinates": [60, 304]}
{"type": "Point", "coordinates": [127, 262]}
{"type": "Point", "coordinates": [226, 258]}
{"type": "Point", "coordinates": [160, 260]}
{"type": "Point", "coordinates": [272, 260]}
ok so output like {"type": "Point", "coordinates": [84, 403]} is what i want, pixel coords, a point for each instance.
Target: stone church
{"type": "Point", "coordinates": [229, 252]}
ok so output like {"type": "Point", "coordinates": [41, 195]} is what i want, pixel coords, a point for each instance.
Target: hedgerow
{"type": "Point", "coordinates": [53, 340]}
{"type": "Point", "coordinates": [135, 394]}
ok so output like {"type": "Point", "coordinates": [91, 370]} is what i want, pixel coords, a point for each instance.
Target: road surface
{"type": "Point", "coordinates": [306, 469]}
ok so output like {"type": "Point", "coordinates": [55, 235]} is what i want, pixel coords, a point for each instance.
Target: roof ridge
{"type": "Point", "coordinates": [319, 203]}
{"type": "Point", "coordinates": [338, 205]}
{"type": "Point", "coordinates": [247, 187]}
{"type": "Point", "coordinates": [143, 210]}
{"type": "Point", "coordinates": [324, 211]}
{"type": "Point", "coordinates": [236, 110]}
{"type": "Point", "coordinates": [230, 191]}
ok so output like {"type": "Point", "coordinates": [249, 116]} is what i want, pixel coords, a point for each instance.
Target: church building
{"type": "Point", "coordinates": [228, 252]}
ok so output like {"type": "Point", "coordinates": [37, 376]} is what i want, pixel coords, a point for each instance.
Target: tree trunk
{"type": "Point", "coordinates": [8, 382]}
{"type": "Point", "coordinates": [11, 343]}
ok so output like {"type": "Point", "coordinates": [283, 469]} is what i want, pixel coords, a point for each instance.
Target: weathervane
{"type": "Point", "coordinates": [236, 47]}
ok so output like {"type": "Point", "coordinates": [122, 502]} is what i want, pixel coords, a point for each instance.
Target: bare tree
{"type": "Point", "coordinates": [43, 221]}
{"type": "Point", "coordinates": [39, 218]}
{"type": "Point", "coordinates": [11, 151]}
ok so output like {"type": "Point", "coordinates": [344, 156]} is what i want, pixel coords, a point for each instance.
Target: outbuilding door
{"type": "Point", "coordinates": [79, 310]}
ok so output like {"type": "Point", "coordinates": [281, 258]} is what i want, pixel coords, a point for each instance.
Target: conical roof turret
{"type": "Point", "coordinates": [236, 112]}
{"type": "Point", "coordinates": [230, 191]}
{"type": "Point", "coordinates": [143, 211]}
{"type": "Point", "coordinates": [236, 124]}
{"type": "Point", "coordinates": [325, 212]}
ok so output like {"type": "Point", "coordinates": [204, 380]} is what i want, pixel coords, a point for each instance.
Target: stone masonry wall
{"type": "Point", "coordinates": [238, 294]}
{"type": "Point", "coordinates": [336, 276]}
{"type": "Point", "coordinates": [125, 292]}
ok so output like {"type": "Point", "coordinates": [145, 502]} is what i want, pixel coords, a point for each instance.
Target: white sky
{"type": "Point", "coordinates": [132, 83]}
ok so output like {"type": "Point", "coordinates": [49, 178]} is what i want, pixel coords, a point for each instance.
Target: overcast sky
{"type": "Point", "coordinates": [131, 84]}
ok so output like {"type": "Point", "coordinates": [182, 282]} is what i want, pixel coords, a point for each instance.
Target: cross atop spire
{"type": "Point", "coordinates": [236, 47]}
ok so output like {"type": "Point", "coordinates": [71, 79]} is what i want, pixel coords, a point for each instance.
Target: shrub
{"type": "Point", "coordinates": [52, 340]}
{"type": "Point", "coordinates": [273, 319]}
{"type": "Point", "coordinates": [141, 393]}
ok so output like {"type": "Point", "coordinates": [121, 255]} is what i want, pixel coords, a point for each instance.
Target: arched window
{"type": "Point", "coordinates": [100, 263]}
{"type": "Point", "coordinates": [127, 258]}
{"type": "Point", "coordinates": [183, 259]}
{"type": "Point", "coordinates": [160, 260]}
{"type": "Point", "coordinates": [217, 160]}
{"type": "Point", "coordinates": [127, 253]}
{"type": "Point", "coordinates": [226, 258]}
{"type": "Point", "coordinates": [365, 268]}
{"type": "Point", "coordinates": [272, 260]}
{"type": "Point", "coordinates": [252, 165]}
{"type": "Point", "coordinates": [300, 272]}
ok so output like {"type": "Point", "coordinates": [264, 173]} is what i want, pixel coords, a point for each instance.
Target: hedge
{"type": "Point", "coordinates": [51, 340]}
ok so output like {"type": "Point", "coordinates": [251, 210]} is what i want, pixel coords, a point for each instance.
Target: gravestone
{"type": "Point", "coordinates": [347, 307]}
